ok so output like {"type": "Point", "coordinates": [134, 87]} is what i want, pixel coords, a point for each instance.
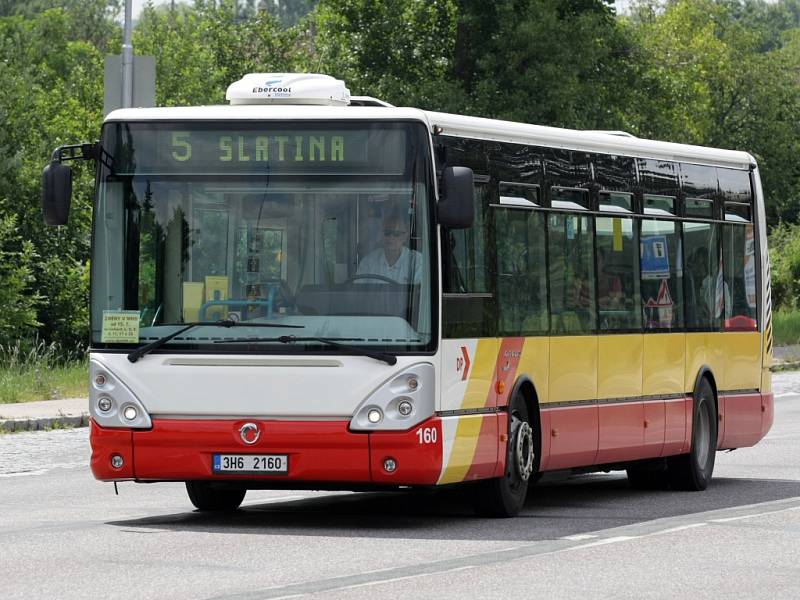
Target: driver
{"type": "Point", "coordinates": [393, 259]}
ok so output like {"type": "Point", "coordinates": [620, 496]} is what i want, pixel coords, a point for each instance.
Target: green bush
{"type": "Point", "coordinates": [786, 327]}
{"type": "Point", "coordinates": [784, 244]}
{"type": "Point", "coordinates": [18, 314]}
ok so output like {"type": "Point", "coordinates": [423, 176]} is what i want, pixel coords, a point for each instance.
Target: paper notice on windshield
{"type": "Point", "coordinates": [120, 326]}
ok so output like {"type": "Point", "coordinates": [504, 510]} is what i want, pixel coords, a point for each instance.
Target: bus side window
{"type": "Point", "coordinates": [465, 252]}
{"type": "Point", "coordinates": [467, 304]}
{"type": "Point", "coordinates": [740, 277]}
{"type": "Point", "coordinates": [661, 274]}
{"type": "Point", "coordinates": [706, 292]}
{"type": "Point", "coordinates": [521, 272]}
{"type": "Point", "coordinates": [618, 274]}
{"type": "Point", "coordinates": [572, 288]}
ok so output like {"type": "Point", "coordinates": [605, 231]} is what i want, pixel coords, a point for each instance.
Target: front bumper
{"type": "Point", "coordinates": [324, 452]}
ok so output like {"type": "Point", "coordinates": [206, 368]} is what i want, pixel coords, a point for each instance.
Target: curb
{"type": "Point", "coordinates": [13, 425]}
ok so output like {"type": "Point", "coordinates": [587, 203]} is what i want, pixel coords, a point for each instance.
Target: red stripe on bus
{"type": "Point", "coordinates": [490, 451]}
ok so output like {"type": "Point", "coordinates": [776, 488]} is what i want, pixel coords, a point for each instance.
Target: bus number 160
{"type": "Point", "coordinates": [427, 435]}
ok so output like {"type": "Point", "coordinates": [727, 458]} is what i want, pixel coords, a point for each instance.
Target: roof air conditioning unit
{"type": "Point", "coordinates": [288, 88]}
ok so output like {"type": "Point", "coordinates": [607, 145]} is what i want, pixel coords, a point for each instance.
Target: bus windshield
{"type": "Point", "coordinates": [319, 227]}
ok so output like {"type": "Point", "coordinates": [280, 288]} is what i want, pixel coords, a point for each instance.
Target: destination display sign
{"type": "Point", "coordinates": [185, 148]}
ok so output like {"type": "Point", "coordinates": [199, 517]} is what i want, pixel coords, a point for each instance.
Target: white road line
{"type": "Point", "coordinates": [674, 529]}
{"type": "Point", "coordinates": [579, 537]}
{"type": "Point", "coordinates": [754, 515]}
{"type": "Point", "coordinates": [24, 473]}
{"type": "Point", "coordinates": [605, 541]}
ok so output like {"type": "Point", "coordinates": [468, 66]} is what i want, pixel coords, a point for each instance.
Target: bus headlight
{"type": "Point", "coordinates": [112, 403]}
{"type": "Point", "coordinates": [400, 403]}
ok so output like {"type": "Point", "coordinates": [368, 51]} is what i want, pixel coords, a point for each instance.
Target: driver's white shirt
{"type": "Point", "coordinates": [375, 263]}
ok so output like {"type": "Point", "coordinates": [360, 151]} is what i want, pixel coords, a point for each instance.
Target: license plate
{"type": "Point", "coordinates": [251, 463]}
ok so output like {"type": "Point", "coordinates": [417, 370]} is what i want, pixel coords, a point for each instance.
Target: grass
{"type": "Point", "coordinates": [39, 371]}
{"type": "Point", "coordinates": [786, 327]}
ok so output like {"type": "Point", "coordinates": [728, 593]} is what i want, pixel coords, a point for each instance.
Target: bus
{"type": "Point", "coordinates": [308, 290]}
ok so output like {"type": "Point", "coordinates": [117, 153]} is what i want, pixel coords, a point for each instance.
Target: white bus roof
{"type": "Point", "coordinates": [614, 143]}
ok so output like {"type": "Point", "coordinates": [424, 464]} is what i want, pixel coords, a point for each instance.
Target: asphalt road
{"type": "Point", "coordinates": [63, 535]}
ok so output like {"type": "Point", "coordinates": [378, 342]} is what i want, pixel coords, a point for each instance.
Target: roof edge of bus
{"type": "Point", "coordinates": [266, 112]}
{"type": "Point", "coordinates": [604, 142]}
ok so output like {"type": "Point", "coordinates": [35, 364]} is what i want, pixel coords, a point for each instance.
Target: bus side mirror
{"type": "Point", "coordinates": [56, 193]}
{"type": "Point", "coordinates": [456, 209]}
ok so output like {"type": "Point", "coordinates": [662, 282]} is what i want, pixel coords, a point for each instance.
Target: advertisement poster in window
{"type": "Point", "coordinates": [750, 266]}
{"type": "Point", "coordinates": [655, 258]}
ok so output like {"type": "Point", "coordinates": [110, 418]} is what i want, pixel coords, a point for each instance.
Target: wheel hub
{"type": "Point", "coordinates": [523, 451]}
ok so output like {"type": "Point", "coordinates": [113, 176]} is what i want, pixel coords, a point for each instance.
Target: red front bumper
{"type": "Point", "coordinates": [319, 451]}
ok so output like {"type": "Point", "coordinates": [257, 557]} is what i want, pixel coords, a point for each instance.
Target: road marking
{"type": "Point", "coordinates": [605, 541]}
{"type": "Point", "coordinates": [579, 537]}
{"type": "Point", "coordinates": [752, 516]}
{"type": "Point", "coordinates": [679, 528]}
{"type": "Point", "coordinates": [24, 473]}
{"type": "Point", "coordinates": [625, 533]}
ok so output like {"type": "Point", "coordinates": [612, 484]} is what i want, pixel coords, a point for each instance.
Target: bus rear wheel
{"type": "Point", "coordinates": [693, 471]}
{"type": "Point", "coordinates": [206, 497]}
{"type": "Point", "coordinates": [505, 496]}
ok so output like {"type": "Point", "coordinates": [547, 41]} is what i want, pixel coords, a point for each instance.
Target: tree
{"type": "Point", "coordinates": [552, 62]}
{"type": "Point", "coordinates": [18, 316]}
{"type": "Point", "coordinates": [200, 50]}
{"type": "Point", "coordinates": [398, 51]}
{"type": "Point", "coordinates": [51, 95]}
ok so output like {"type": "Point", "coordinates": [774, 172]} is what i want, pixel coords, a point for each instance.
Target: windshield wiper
{"type": "Point", "coordinates": [140, 352]}
{"type": "Point", "coordinates": [389, 359]}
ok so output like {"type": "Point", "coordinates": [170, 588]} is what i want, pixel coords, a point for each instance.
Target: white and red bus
{"type": "Point", "coordinates": [307, 290]}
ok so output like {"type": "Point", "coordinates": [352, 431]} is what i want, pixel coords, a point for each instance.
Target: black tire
{"type": "Point", "coordinates": [206, 497]}
{"type": "Point", "coordinates": [504, 496]}
{"type": "Point", "coordinates": [693, 471]}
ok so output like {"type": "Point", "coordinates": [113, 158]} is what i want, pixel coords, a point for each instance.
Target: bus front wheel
{"type": "Point", "coordinates": [505, 496]}
{"type": "Point", "coordinates": [206, 497]}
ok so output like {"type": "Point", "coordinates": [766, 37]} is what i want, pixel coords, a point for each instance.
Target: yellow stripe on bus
{"type": "Point", "coordinates": [463, 453]}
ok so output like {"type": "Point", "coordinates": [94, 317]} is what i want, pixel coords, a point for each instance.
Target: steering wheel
{"type": "Point", "coordinates": [371, 276]}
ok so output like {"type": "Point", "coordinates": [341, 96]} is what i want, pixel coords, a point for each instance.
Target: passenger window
{"type": "Point", "coordinates": [519, 194]}
{"type": "Point", "coordinates": [465, 253]}
{"type": "Point", "coordinates": [658, 177]}
{"type": "Point", "coordinates": [616, 173]}
{"type": "Point", "coordinates": [616, 201]}
{"type": "Point", "coordinates": [617, 275]}
{"type": "Point", "coordinates": [740, 277]}
{"type": "Point", "coordinates": [655, 204]}
{"type": "Point", "coordinates": [661, 274]}
{"type": "Point", "coordinates": [521, 272]}
{"type": "Point", "coordinates": [468, 304]}
{"type": "Point", "coordinates": [572, 289]}
{"type": "Point", "coordinates": [736, 211]}
{"type": "Point", "coordinates": [569, 198]}
{"type": "Point", "coordinates": [734, 185]}
{"type": "Point", "coordinates": [706, 292]}
{"type": "Point", "coordinates": [699, 207]}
